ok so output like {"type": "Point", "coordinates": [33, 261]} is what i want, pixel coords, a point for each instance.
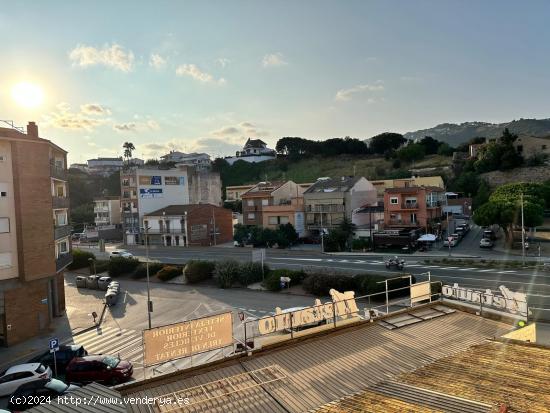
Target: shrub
{"type": "Point", "coordinates": [370, 284]}
{"type": "Point", "coordinates": [227, 272]}
{"type": "Point", "coordinates": [121, 265]}
{"type": "Point", "coordinates": [321, 284]}
{"type": "Point", "coordinates": [197, 271]}
{"type": "Point", "coordinates": [80, 259]}
{"type": "Point", "coordinates": [101, 266]}
{"type": "Point", "coordinates": [168, 272]}
{"type": "Point", "coordinates": [273, 281]}
{"type": "Point", "coordinates": [360, 244]}
{"type": "Point", "coordinates": [141, 269]}
{"type": "Point", "coordinates": [251, 272]}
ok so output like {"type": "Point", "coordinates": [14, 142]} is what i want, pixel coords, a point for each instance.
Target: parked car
{"type": "Point", "coordinates": [63, 357]}
{"type": "Point", "coordinates": [446, 242]}
{"type": "Point", "coordinates": [15, 376]}
{"type": "Point", "coordinates": [489, 234]}
{"type": "Point", "coordinates": [100, 368]}
{"type": "Point", "coordinates": [486, 243]}
{"type": "Point", "coordinates": [38, 392]}
{"type": "Point", "coordinates": [120, 253]}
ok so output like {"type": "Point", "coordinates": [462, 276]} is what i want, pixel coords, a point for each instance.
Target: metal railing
{"type": "Point", "coordinates": [332, 314]}
{"type": "Point", "coordinates": [58, 172]}
{"type": "Point", "coordinates": [62, 231]}
{"type": "Point", "coordinates": [62, 261]}
{"type": "Point", "coordinates": [60, 202]}
{"type": "Point", "coordinates": [409, 205]}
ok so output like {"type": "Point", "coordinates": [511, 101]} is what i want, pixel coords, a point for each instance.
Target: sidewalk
{"type": "Point", "coordinates": [77, 319]}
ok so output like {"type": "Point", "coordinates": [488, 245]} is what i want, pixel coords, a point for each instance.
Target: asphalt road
{"type": "Point", "coordinates": [467, 276]}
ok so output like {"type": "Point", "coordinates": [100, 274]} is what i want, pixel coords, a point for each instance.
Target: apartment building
{"type": "Point", "coordinates": [271, 204]}
{"type": "Point", "coordinates": [185, 225]}
{"type": "Point", "coordinates": [382, 185]}
{"type": "Point", "coordinates": [107, 211]}
{"type": "Point", "coordinates": [34, 233]}
{"type": "Point", "coordinates": [329, 200]}
{"type": "Point", "coordinates": [201, 161]}
{"type": "Point", "coordinates": [144, 190]}
{"type": "Point", "coordinates": [234, 193]}
{"type": "Point", "coordinates": [417, 206]}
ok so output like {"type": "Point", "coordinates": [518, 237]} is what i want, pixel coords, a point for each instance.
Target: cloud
{"type": "Point", "coordinates": [193, 71]}
{"type": "Point", "coordinates": [348, 94]}
{"type": "Point", "coordinates": [157, 61]}
{"type": "Point", "coordinates": [94, 109]}
{"type": "Point", "coordinates": [147, 125]}
{"type": "Point", "coordinates": [155, 146]}
{"type": "Point", "coordinates": [113, 56]}
{"type": "Point", "coordinates": [226, 130]}
{"type": "Point", "coordinates": [222, 61]}
{"type": "Point", "coordinates": [246, 125]}
{"type": "Point", "coordinates": [274, 60]}
{"type": "Point", "coordinates": [64, 118]}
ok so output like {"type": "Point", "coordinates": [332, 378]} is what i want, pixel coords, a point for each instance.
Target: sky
{"type": "Point", "coordinates": [206, 75]}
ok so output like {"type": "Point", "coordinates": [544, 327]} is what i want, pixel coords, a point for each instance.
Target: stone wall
{"type": "Point", "coordinates": [530, 174]}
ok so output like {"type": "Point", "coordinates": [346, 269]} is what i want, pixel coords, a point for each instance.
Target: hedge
{"type": "Point", "coordinates": [121, 265]}
{"type": "Point", "coordinates": [141, 269]}
{"type": "Point", "coordinates": [168, 272]}
{"type": "Point", "coordinates": [197, 271]}
{"type": "Point", "coordinates": [80, 259]}
{"type": "Point", "coordinates": [273, 280]}
{"type": "Point", "coordinates": [227, 272]}
{"type": "Point", "coordinates": [362, 284]}
{"type": "Point", "coordinates": [101, 266]}
{"type": "Point", "coordinates": [251, 272]}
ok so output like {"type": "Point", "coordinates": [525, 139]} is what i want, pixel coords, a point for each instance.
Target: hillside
{"type": "Point", "coordinates": [308, 170]}
{"type": "Point", "coordinates": [455, 134]}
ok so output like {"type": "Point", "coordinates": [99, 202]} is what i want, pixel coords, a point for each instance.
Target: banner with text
{"type": "Point", "coordinates": [184, 339]}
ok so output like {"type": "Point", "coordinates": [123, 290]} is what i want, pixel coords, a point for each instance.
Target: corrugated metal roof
{"type": "Point", "coordinates": [93, 398]}
{"type": "Point", "coordinates": [328, 367]}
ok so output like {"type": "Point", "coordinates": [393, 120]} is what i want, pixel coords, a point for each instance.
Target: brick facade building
{"type": "Point", "coordinates": [34, 233]}
{"type": "Point", "coordinates": [187, 225]}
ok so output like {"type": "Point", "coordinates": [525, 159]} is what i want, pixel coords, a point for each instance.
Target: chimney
{"type": "Point", "coordinates": [32, 130]}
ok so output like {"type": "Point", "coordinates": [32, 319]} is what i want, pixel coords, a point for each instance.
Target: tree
{"type": "Point", "coordinates": [411, 152]}
{"type": "Point", "coordinates": [430, 145]}
{"type": "Point", "coordinates": [386, 141]}
{"type": "Point", "coordinates": [128, 148]}
{"type": "Point", "coordinates": [482, 195]}
{"type": "Point", "coordinates": [504, 207]}
{"type": "Point", "coordinates": [467, 183]}
{"type": "Point", "coordinates": [445, 149]}
{"type": "Point", "coordinates": [82, 215]}
{"type": "Point", "coordinates": [287, 234]}
{"type": "Point", "coordinates": [241, 233]}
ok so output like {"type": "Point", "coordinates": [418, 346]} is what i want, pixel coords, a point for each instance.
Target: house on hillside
{"type": "Point", "coordinates": [254, 150]}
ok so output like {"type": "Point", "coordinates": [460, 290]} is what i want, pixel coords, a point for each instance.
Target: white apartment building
{"type": "Point", "coordinates": [107, 211]}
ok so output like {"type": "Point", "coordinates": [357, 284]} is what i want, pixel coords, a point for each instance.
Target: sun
{"type": "Point", "coordinates": [27, 94]}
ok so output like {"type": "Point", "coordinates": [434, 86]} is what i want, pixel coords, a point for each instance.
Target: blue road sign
{"type": "Point", "coordinates": [54, 343]}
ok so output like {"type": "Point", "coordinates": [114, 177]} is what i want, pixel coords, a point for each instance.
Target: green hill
{"type": "Point", "coordinates": [308, 170]}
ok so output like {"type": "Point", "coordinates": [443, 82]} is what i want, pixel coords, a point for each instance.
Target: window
{"type": "Point", "coordinates": [60, 191]}
{"type": "Point", "coordinates": [543, 147]}
{"type": "Point", "coordinates": [413, 218]}
{"type": "Point", "coordinates": [4, 225]}
{"type": "Point", "coordinates": [265, 202]}
{"type": "Point", "coordinates": [394, 200]}
{"type": "Point", "coordinates": [2, 158]}
{"type": "Point", "coordinates": [250, 202]}
{"type": "Point", "coordinates": [126, 194]}
{"type": "Point", "coordinates": [63, 247]}
{"type": "Point", "coordinates": [283, 220]}
{"type": "Point", "coordinates": [174, 180]}
{"type": "Point", "coordinates": [273, 220]}
{"type": "Point", "coordinates": [252, 215]}
{"type": "Point", "coordinates": [5, 262]}
{"type": "Point", "coordinates": [278, 220]}
{"type": "Point", "coordinates": [60, 219]}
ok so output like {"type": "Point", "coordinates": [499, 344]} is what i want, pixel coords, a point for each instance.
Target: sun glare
{"type": "Point", "coordinates": [27, 94]}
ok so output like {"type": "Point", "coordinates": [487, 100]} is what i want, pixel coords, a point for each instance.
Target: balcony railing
{"type": "Point", "coordinates": [434, 204]}
{"type": "Point", "coordinates": [60, 202]}
{"type": "Point", "coordinates": [58, 172]}
{"type": "Point", "coordinates": [62, 231]}
{"type": "Point", "coordinates": [101, 209]}
{"type": "Point", "coordinates": [62, 261]}
{"type": "Point", "coordinates": [409, 205]}
{"type": "Point", "coordinates": [157, 231]}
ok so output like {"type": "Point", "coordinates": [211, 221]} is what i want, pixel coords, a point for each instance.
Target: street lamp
{"type": "Point", "coordinates": [149, 303]}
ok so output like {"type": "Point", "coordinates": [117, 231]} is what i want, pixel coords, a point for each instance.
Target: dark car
{"type": "Point", "coordinates": [101, 368]}
{"type": "Point", "coordinates": [63, 357]}
{"type": "Point", "coordinates": [38, 392]}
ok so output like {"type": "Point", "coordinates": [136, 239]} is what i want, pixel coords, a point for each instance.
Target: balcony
{"type": "Point", "coordinates": [58, 172]}
{"type": "Point", "coordinates": [409, 205]}
{"type": "Point", "coordinates": [101, 209]}
{"type": "Point", "coordinates": [156, 231]}
{"type": "Point", "coordinates": [63, 261]}
{"type": "Point", "coordinates": [62, 231]}
{"type": "Point", "coordinates": [60, 202]}
{"type": "Point", "coordinates": [435, 204]}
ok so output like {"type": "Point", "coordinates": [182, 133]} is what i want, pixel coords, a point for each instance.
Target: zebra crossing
{"type": "Point", "coordinates": [125, 343]}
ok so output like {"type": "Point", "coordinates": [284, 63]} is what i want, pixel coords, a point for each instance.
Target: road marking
{"type": "Point", "coordinates": [414, 265]}
{"type": "Point", "coordinates": [467, 269]}
{"type": "Point", "coordinates": [485, 270]}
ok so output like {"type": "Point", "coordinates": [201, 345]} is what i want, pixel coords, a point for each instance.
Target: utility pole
{"type": "Point", "coordinates": [322, 232]}
{"type": "Point", "coordinates": [149, 303]}
{"type": "Point", "coordinates": [522, 233]}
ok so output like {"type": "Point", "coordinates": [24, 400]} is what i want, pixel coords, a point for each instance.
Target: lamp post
{"type": "Point", "coordinates": [522, 233]}
{"type": "Point", "coordinates": [149, 303]}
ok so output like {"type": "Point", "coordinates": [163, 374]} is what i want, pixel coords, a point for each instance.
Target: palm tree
{"type": "Point", "coordinates": [128, 148]}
